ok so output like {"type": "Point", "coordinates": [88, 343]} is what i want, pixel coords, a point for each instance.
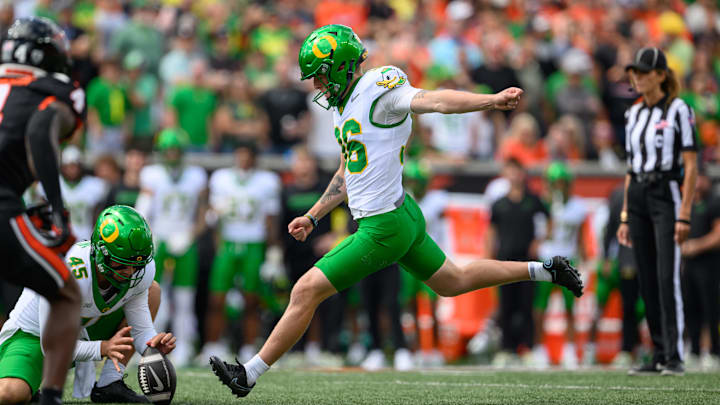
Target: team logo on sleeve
{"type": "Point", "coordinates": [391, 79]}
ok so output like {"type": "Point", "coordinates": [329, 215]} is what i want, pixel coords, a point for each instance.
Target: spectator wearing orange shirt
{"type": "Point", "coordinates": [352, 13]}
{"type": "Point", "coordinates": [522, 142]}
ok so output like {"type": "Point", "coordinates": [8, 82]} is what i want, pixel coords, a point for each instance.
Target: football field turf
{"type": "Point", "coordinates": [447, 386]}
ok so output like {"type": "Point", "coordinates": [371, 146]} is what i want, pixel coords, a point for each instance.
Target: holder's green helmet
{"type": "Point", "coordinates": [558, 171]}
{"type": "Point", "coordinates": [122, 235]}
{"type": "Point", "coordinates": [335, 52]}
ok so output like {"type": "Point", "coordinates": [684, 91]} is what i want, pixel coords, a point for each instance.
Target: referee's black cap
{"type": "Point", "coordinates": [647, 59]}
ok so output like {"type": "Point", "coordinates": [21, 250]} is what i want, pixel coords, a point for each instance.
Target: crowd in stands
{"type": "Point", "coordinates": [226, 70]}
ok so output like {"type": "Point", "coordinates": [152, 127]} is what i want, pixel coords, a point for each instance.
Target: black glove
{"type": "Point", "coordinates": [53, 227]}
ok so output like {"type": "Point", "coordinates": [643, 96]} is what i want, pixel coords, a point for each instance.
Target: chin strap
{"type": "Point", "coordinates": [349, 75]}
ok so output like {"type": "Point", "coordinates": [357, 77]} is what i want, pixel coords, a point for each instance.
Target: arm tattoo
{"type": "Point", "coordinates": [333, 189]}
{"type": "Point", "coordinates": [420, 94]}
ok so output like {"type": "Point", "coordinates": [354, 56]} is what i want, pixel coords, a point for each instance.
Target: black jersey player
{"type": "Point", "coordinates": [39, 108]}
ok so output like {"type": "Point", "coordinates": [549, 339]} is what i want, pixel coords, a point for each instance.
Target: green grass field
{"type": "Point", "coordinates": [464, 385]}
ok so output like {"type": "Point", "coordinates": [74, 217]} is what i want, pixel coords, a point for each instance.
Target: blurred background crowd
{"type": "Point", "coordinates": [144, 63]}
{"type": "Point", "coordinates": [223, 76]}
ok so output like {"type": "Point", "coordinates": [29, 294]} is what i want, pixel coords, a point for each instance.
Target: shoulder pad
{"type": "Point", "coordinates": [69, 93]}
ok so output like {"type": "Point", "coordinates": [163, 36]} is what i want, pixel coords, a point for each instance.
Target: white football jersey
{"type": "Point", "coordinates": [460, 134]}
{"type": "Point", "coordinates": [243, 200]}
{"type": "Point", "coordinates": [80, 200]}
{"type": "Point", "coordinates": [567, 219]}
{"type": "Point", "coordinates": [174, 201]}
{"type": "Point", "coordinates": [28, 312]}
{"type": "Point", "coordinates": [373, 151]}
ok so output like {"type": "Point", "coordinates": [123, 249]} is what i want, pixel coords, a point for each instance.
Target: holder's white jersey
{"type": "Point", "coordinates": [80, 200]}
{"type": "Point", "coordinates": [373, 150]}
{"type": "Point", "coordinates": [31, 310]}
{"type": "Point", "coordinates": [243, 200]}
{"type": "Point", "coordinates": [174, 201]}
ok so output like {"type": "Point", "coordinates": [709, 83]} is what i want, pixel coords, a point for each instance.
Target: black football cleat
{"type": "Point", "coordinates": [564, 274]}
{"type": "Point", "coordinates": [116, 393]}
{"type": "Point", "coordinates": [674, 370]}
{"type": "Point", "coordinates": [231, 375]}
{"type": "Point", "coordinates": [652, 368]}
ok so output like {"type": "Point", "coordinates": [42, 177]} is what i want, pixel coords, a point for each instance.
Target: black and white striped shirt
{"type": "Point", "coordinates": [655, 136]}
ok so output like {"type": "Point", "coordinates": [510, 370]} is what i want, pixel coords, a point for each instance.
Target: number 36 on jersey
{"type": "Point", "coordinates": [354, 151]}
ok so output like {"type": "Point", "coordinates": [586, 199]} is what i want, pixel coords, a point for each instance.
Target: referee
{"type": "Point", "coordinates": [655, 219]}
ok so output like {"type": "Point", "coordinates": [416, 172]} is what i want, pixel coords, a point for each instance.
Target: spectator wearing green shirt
{"type": "Point", "coordinates": [44, 8]}
{"type": "Point", "coordinates": [108, 109]}
{"type": "Point", "coordinates": [272, 38]}
{"type": "Point", "coordinates": [142, 89]}
{"type": "Point", "coordinates": [192, 106]}
{"type": "Point", "coordinates": [141, 35]}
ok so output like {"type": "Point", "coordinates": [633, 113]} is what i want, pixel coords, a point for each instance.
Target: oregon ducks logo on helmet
{"type": "Point", "coordinates": [330, 40]}
{"type": "Point", "coordinates": [109, 230]}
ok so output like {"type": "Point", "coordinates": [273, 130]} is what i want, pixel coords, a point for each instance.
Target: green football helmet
{"type": "Point", "coordinates": [335, 52]}
{"type": "Point", "coordinates": [558, 171]}
{"type": "Point", "coordinates": [171, 142]}
{"type": "Point", "coordinates": [171, 138]}
{"type": "Point", "coordinates": [121, 235]}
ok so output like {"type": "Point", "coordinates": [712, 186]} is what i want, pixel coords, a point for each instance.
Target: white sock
{"type": "Point", "coordinates": [109, 374]}
{"type": "Point", "coordinates": [255, 368]}
{"type": "Point", "coordinates": [538, 273]}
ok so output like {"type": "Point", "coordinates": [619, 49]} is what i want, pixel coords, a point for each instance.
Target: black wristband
{"type": "Point", "coordinates": [312, 219]}
{"type": "Point", "coordinates": [624, 222]}
{"type": "Point", "coordinates": [684, 221]}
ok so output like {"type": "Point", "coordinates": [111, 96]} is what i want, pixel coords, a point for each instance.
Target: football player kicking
{"type": "Point", "coordinates": [115, 272]}
{"type": "Point", "coordinates": [371, 112]}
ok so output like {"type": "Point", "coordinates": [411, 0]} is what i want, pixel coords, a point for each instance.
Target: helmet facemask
{"type": "Point", "coordinates": [103, 257]}
{"type": "Point", "coordinates": [334, 89]}
{"type": "Point", "coordinates": [331, 89]}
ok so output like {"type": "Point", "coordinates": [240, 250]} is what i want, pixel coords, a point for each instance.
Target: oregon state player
{"type": "Point", "coordinates": [39, 108]}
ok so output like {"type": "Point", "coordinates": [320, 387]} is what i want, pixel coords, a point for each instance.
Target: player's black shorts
{"type": "Point", "coordinates": [26, 260]}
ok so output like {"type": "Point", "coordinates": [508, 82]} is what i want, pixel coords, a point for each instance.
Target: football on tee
{"type": "Point", "coordinates": [156, 376]}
